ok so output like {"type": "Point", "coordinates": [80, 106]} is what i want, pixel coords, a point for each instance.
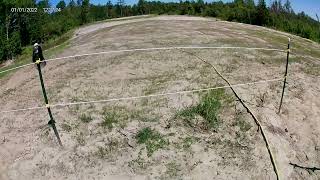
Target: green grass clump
{"type": "Point", "coordinates": [208, 108]}
{"type": "Point", "coordinates": [85, 118]}
{"type": "Point", "coordinates": [152, 139]}
{"type": "Point", "coordinates": [109, 119]}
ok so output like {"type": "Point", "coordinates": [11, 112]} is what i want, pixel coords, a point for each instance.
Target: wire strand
{"type": "Point", "coordinates": [144, 49]}
{"type": "Point", "coordinates": [18, 67]}
{"type": "Point", "coordinates": [162, 48]}
{"type": "Point", "coordinates": [139, 97]}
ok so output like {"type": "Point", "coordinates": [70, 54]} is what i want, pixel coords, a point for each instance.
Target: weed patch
{"type": "Point", "coordinates": [109, 119]}
{"type": "Point", "coordinates": [152, 139]}
{"type": "Point", "coordinates": [208, 109]}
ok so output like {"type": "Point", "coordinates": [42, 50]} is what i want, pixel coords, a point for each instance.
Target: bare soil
{"type": "Point", "coordinates": [233, 150]}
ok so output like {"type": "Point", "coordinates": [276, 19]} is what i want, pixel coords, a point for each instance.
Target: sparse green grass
{"type": "Point", "coordinates": [109, 119]}
{"type": "Point", "coordinates": [187, 142]}
{"type": "Point", "coordinates": [157, 82]}
{"type": "Point", "coordinates": [85, 118]}
{"type": "Point", "coordinates": [58, 41]}
{"type": "Point", "coordinates": [298, 46]}
{"type": "Point", "coordinates": [121, 115]}
{"type": "Point", "coordinates": [152, 139]}
{"type": "Point", "coordinates": [117, 115]}
{"type": "Point", "coordinates": [208, 109]}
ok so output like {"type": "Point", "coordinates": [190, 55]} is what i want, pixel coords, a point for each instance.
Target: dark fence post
{"type": "Point", "coordinates": [285, 76]}
{"type": "Point", "coordinates": [51, 121]}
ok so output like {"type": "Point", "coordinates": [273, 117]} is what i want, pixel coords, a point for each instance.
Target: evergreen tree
{"type": "Point", "coordinates": [262, 13]}
{"type": "Point", "coordinates": [141, 7]}
{"type": "Point", "coordinates": [250, 7]}
{"type": "Point", "coordinates": [109, 8]}
{"type": "Point", "coordinates": [84, 11]}
{"type": "Point", "coordinates": [287, 7]}
{"type": "Point", "coordinates": [72, 4]}
{"type": "Point", "coordinates": [120, 5]}
{"type": "Point", "coordinates": [61, 5]}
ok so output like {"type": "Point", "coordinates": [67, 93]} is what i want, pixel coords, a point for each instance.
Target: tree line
{"type": "Point", "coordinates": [20, 29]}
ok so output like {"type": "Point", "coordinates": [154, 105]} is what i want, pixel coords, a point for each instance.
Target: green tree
{"type": "Point", "coordinates": [120, 5]}
{"type": "Point", "coordinates": [141, 7]}
{"type": "Point", "coordinates": [262, 13]}
{"type": "Point", "coordinates": [287, 7]}
{"type": "Point", "coordinates": [250, 8]}
{"type": "Point", "coordinates": [109, 8]}
{"type": "Point", "coordinates": [43, 4]}
{"type": "Point", "coordinates": [61, 5]}
{"type": "Point", "coordinates": [84, 11]}
{"type": "Point", "coordinates": [239, 2]}
{"type": "Point", "coordinates": [71, 4]}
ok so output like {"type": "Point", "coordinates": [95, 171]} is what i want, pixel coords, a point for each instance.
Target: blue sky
{"type": "Point", "coordinates": [311, 7]}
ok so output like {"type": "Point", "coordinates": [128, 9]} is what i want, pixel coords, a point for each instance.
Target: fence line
{"type": "Point", "coordinates": [144, 49]}
{"type": "Point", "coordinates": [18, 67]}
{"type": "Point", "coordinates": [139, 97]}
{"type": "Point", "coordinates": [231, 86]}
{"type": "Point", "coordinates": [272, 158]}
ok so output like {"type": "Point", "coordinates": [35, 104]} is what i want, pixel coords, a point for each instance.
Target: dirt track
{"type": "Point", "coordinates": [28, 149]}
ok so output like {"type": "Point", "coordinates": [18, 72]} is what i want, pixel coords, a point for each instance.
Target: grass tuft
{"type": "Point", "coordinates": [109, 119]}
{"type": "Point", "coordinates": [208, 109]}
{"type": "Point", "coordinates": [152, 139]}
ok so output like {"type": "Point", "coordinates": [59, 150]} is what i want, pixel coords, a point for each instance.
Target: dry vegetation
{"type": "Point", "coordinates": [206, 135]}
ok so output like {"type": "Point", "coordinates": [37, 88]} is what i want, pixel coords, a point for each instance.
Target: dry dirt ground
{"type": "Point", "coordinates": [150, 138]}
